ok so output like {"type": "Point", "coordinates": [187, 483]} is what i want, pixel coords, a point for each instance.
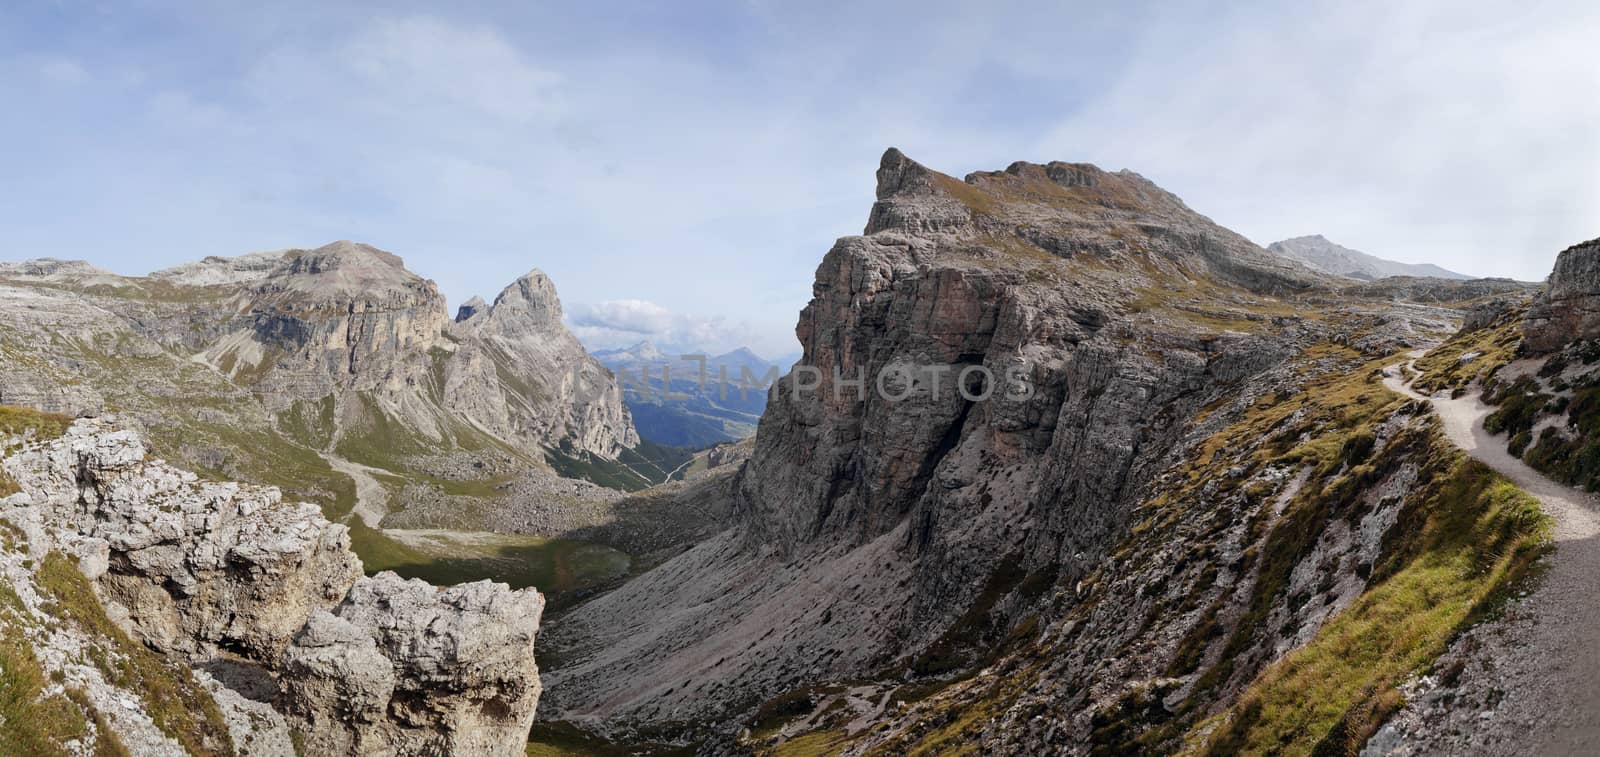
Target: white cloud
{"type": "Point", "coordinates": [62, 71]}
{"type": "Point", "coordinates": [1418, 131]}
{"type": "Point", "coordinates": [620, 323]}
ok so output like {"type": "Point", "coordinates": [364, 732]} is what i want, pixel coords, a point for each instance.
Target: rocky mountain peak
{"type": "Point", "coordinates": [343, 269]}
{"type": "Point", "coordinates": [1569, 308]}
{"type": "Point", "coordinates": [913, 198]}
{"type": "Point", "coordinates": [1068, 210]}
{"type": "Point", "coordinates": [900, 175]}
{"type": "Point", "coordinates": [528, 307]}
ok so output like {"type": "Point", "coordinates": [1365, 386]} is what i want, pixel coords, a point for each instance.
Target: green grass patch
{"type": "Point", "coordinates": [32, 723]}
{"type": "Point", "coordinates": [563, 570]}
{"type": "Point", "coordinates": [1444, 368]}
{"type": "Point", "coordinates": [18, 421]}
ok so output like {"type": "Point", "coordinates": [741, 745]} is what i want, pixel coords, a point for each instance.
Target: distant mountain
{"type": "Point", "coordinates": [723, 407]}
{"type": "Point", "coordinates": [1318, 253]}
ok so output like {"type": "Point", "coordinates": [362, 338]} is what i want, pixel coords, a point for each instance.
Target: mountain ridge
{"type": "Point", "coordinates": [1317, 252]}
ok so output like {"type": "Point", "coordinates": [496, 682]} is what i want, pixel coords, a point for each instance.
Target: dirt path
{"type": "Point", "coordinates": [1544, 655]}
{"type": "Point", "coordinates": [372, 499]}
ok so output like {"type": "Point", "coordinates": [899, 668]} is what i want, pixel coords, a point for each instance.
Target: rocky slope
{"type": "Point", "coordinates": [1317, 253]}
{"type": "Point", "coordinates": [1107, 454]}
{"type": "Point", "coordinates": [123, 572]}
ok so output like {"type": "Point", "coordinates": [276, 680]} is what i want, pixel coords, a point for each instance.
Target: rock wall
{"type": "Point", "coordinates": [224, 573]}
{"type": "Point", "coordinates": [1569, 308]}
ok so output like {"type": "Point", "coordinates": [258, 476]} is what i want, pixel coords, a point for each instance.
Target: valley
{"type": "Point", "coordinates": [1220, 503]}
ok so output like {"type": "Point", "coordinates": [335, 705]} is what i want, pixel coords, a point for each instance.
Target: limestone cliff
{"type": "Point", "coordinates": [264, 598]}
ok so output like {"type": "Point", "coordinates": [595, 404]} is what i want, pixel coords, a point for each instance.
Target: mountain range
{"type": "Point", "coordinates": [687, 398]}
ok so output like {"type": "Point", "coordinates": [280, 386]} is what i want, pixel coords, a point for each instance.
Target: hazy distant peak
{"type": "Point", "coordinates": [1317, 252]}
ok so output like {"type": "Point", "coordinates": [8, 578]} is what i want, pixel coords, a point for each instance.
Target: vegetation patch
{"type": "Point", "coordinates": [1468, 537]}
{"type": "Point", "coordinates": [565, 571]}
{"type": "Point", "coordinates": [32, 721]}
{"type": "Point", "coordinates": [173, 699]}
{"type": "Point", "coordinates": [1470, 356]}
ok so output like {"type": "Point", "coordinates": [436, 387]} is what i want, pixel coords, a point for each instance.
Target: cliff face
{"type": "Point", "coordinates": [1569, 309]}
{"type": "Point", "coordinates": [1092, 312]}
{"type": "Point", "coordinates": [344, 317]}
{"type": "Point", "coordinates": [264, 597]}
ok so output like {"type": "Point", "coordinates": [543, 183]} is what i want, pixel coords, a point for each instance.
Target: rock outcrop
{"type": "Point", "coordinates": [230, 574]}
{"type": "Point", "coordinates": [200, 567]}
{"type": "Point", "coordinates": [1569, 309]}
{"type": "Point", "coordinates": [403, 668]}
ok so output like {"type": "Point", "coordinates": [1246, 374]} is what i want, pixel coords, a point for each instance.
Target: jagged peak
{"type": "Point", "coordinates": [533, 295]}
{"type": "Point", "coordinates": [898, 174]}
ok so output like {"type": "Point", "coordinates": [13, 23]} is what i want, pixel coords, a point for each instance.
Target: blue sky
{"type": "Point", "coordinates": [680, 168]}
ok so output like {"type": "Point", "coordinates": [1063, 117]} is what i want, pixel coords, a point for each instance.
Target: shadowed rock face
{"type": "Point", "coordinates": [1569, 308]}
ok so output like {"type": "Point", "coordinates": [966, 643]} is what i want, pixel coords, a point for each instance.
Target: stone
{"type": "Point", "coordinates": [1569, 308]}
{"type": "Point", "coordinates": [402, 667]}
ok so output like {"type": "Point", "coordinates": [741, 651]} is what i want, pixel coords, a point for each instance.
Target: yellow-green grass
{"type": "Point", "coordinates": [1478, 534]}
{"type": "Point", "coordinates": [34, 721]}
{"type": "Point", "coordinates": [173, 699]}
{"type": "Point", "coordinates": [23, 421]}
{"type": "Point", "coordinates": [1442, 368]}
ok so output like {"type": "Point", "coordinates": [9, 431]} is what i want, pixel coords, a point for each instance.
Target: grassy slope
{"type": "Point", "coordinates": [35, 717]}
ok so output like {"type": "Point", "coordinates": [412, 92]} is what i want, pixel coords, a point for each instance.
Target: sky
{"type": "Point", "coordinates": [679, 169]}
